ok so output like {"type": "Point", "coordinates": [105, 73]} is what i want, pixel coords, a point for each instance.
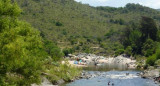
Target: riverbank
{"type": "Point", "coordinates": [152, 73]}
{"type": "Point", "coordinates": [55, 74]}
{"type": "Point", "coordinates": [91, 60]}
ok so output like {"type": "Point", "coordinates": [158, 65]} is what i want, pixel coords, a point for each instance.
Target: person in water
{"type": "Point", "coordinates": [109, 83]}
{"type": "Point", "coordinates": [127, 73]}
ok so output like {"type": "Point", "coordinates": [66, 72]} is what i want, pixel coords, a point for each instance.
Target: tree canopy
{"type": "Point", "coordinates": [21, 48]}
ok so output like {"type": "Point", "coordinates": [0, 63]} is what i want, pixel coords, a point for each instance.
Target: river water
{"type": "Point", "coordinates": [113, 78]}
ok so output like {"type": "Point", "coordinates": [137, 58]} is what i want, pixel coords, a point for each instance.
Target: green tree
{"type": "Point", "coordinates": [99, 40]}
{"type": "Point", "coordinates": [128, 51]}
{"type": "Point", "coordinates": [158, 36]}
{"type": "Point", "coordinates": [59, 24]}
{"type": "Point", "coordinates": [119, 52]}
{"type": "Point", "coordinates": [151, 60]}
{"type": "Point", "coordinates": [121, 22]}
{"type": "Point", "coordinates": [149, 47]}
{"type": "Point", "coordinates": [67, 51]}
{"type": "Point", "coordinates": [53, 50]}
{"type": "Point", "coordinates": [21, 48]}
{"type": "Point", "coordinates": [135, 40]}
{"type": "Point", "coordinates": [148, 29]}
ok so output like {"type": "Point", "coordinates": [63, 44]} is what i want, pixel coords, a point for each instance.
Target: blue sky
{"type": "Point", "coordinates": [120, 3]}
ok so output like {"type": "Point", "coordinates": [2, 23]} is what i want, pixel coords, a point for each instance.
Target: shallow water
{"type": "Point", "coordinates": [117, 78]}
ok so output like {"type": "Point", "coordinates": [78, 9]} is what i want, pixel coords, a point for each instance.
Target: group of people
{"type": "Point", "coordinates": [79, 61]}
{"type": "Point", "coordinates": [110, 84]}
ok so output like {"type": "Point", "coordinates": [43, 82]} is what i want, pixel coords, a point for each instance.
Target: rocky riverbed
{"type": "Point", "coordinates": [111, 78]}
{"type": "Point", "coordinates": [106, 78]}
{"type": "Point", "coordinates": [91, 60]}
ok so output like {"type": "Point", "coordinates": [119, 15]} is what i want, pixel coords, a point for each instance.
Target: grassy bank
{"type": "Point", "coordinates": [55, 71]}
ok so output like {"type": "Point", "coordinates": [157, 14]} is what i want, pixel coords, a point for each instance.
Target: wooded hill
{"type": "Point", "coordinates": [82, 27]}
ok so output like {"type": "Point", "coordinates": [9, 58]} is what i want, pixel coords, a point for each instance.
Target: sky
{"type": "Point", "coordinates": [121, 3]}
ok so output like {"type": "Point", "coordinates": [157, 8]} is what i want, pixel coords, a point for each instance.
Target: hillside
{"type": "Point", "coordinates": [79, 26]}
{"type": "Point", "coordinates": [158, 9]}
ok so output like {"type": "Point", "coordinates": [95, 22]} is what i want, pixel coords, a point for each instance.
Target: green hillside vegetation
{"type": "Point", "coordinates": [80, 27]}
{"type": "Point", "coordinates": [158, 9]}
{"type": "Point", "coordinates": [77, 27]}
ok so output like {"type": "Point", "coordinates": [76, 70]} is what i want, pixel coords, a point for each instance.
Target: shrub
{"type": "Point", "coordinates": [158, 54]}
{"type": "Point", "coordinates": [157, 63]}
{"type": "Point", "coordinates": [119, 52]}
{"type": "Point", "coordinates": [149, 47]}
{"type": "Point", "coordinates": [151, 60]}
{"type": "Point", "coordinates": [67, 51]}
{"type": "Point", "coordinates": [53, 50]}
{"type": "Point", "coordinates": [59, 24]}
{"type": "Point", "coordinates": [128, 51]}
{"type": "Point", "coordinates": [63, 71]}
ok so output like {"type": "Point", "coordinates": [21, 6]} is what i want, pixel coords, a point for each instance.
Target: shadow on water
{"type": "Point", "coordinates": [95, 68]}
{"type": "Point", "coordinates": [107, 67]}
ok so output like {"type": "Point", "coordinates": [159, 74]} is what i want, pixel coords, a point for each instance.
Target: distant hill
{"type": "Point", "coordinates": [158, 9]}
{"type": "Point", "coordinates": [74, 25]}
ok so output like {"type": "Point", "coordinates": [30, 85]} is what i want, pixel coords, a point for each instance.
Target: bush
{"type": "Point", "coordinates": [149, 47]}
{"type": "Point", "coordinates": [119, 52]}
{"type": "Point", "coordinates": [63, 71]}
{"type": "Point", "coordinates": [158, 54]}
{"type": "Point", "coordinates": [86, 49]}
{"type": "Point", "coordinates": [157, 63]}
{"type": "Point", "coordinates": [128, 51]}
{"type": "Point", "coordinates": [59, 24]}
{"type": "Point", "coordinates": [67, 51]}
{"type": "Point", "coordinates": [53, 50]}
{"type": "Point", "coordinates": [151, 60]}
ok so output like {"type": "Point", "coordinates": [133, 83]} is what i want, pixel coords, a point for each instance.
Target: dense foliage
{"type": "Point", "coordinates": [53, 50]}
{"type": "Point", "coordinates": [143, 39]}
{"type": "Point", "coordinates": [20, 48]}
{"type": "Point", "coordinates": [154, 59]}
{"type": "Point", "coordinates": [23, 51]}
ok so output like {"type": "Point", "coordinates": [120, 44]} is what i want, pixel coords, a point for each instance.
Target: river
{"type": "Point", "coordinates": [113, 78]}
{"type": "Point", "coordinates": [113, 73]}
